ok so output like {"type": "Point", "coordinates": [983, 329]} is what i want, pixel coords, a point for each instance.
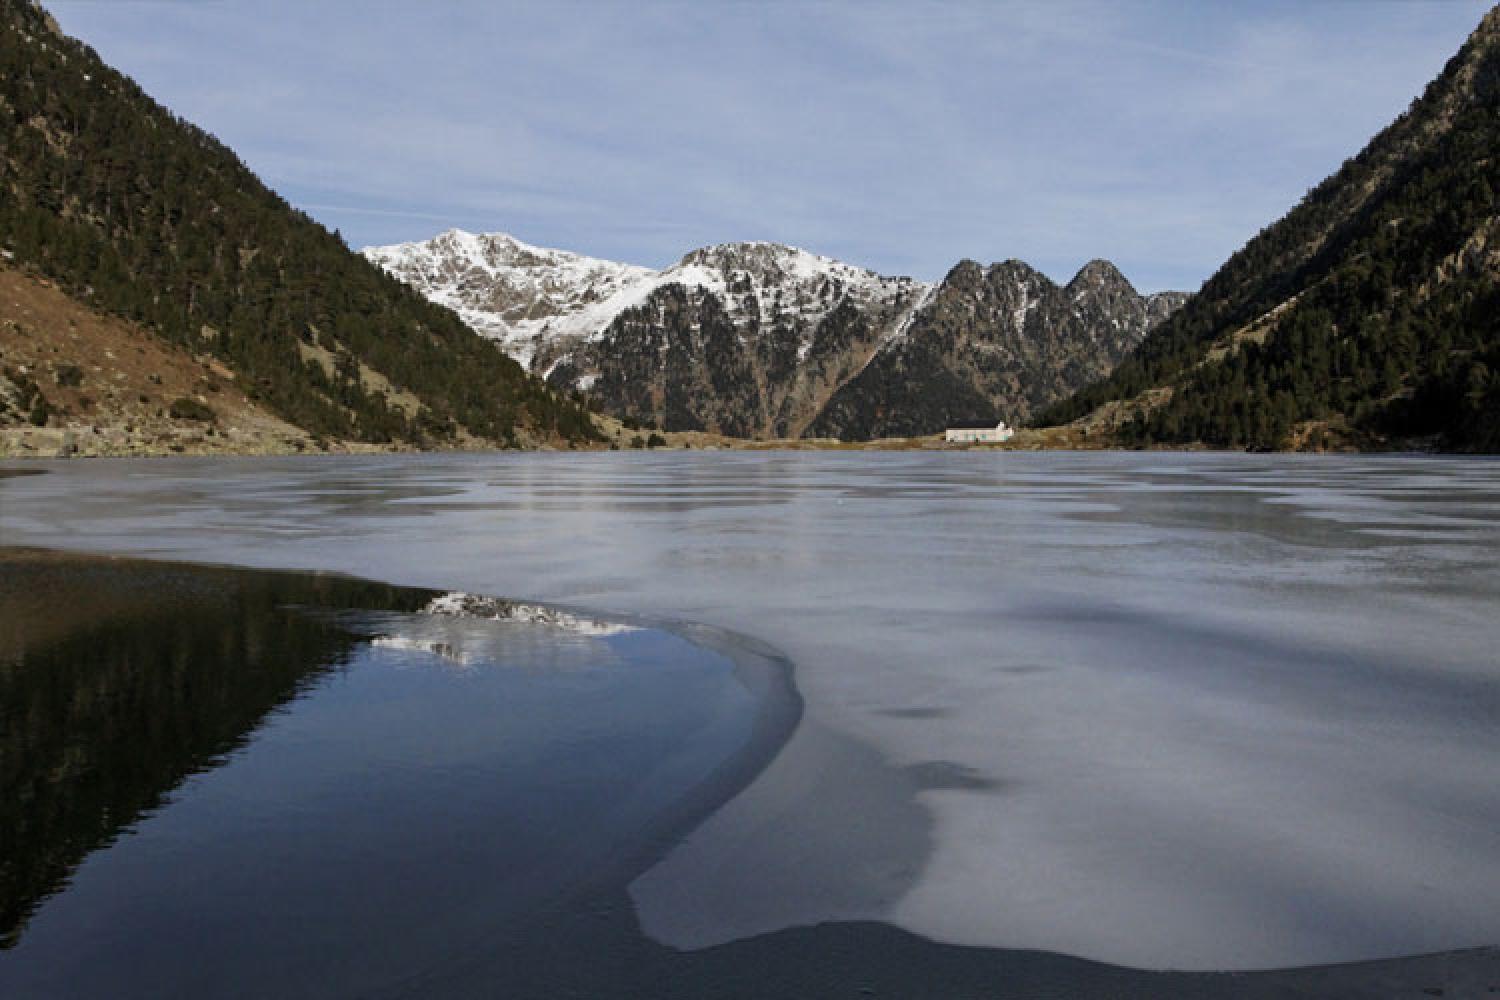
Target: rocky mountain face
{"type": "Point", "coordinates": [994, 343]}
{"type": "Point", "coordinates": [764, 340]}
{"type": "Point", "coordinates": [517, 295]}
{"type": "Point", "coordinates": [1365, 316]}
{"type": "Point", "coordinates": [746, 339]}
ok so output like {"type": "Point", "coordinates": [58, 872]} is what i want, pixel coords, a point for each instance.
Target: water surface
{"type": "Point", "coordinates": [226, 783]}
{"type": "Point", "coordinates": [1205, 711]}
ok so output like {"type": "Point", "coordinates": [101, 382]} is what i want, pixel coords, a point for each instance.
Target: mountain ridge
{"type": "Point", "coordinates": [755, 338]}
{"type": "Point", "coordinates": [994, 342]}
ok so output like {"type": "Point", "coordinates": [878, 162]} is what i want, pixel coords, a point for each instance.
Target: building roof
{"type": "Point", "coordinates": [974, 425]}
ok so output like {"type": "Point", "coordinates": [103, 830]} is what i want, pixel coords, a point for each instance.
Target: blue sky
{"type": "Point", "coordinates": [900, 136]}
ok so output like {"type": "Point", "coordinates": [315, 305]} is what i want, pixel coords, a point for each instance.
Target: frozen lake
{"type": "Point", "coordinates": [1191, 711]}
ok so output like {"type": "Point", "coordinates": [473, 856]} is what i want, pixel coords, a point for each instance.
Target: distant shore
{"type": "Point", "coordinates": [103, 442]}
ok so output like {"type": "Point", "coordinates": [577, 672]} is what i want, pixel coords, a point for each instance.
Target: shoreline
{"type": "Point", "coordinates": [79, 451]}
{"type": "Point", "coordinates": [85, 441]}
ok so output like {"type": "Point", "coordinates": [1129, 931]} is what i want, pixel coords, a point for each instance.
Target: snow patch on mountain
{"type": "Point", "coordinates": [902, 326]}
{"type": "Point", "coordinates": [512, 292]}
{"type": "Point", "coordinates": [533, 300]}
{"type": "Point", "coordinates": [773, 284]}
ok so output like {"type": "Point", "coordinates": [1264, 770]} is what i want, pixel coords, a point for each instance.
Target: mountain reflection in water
{"type": "Point", "coordinates": [118, 679]}
{"type": "Point", "coordinates": [221, 782]}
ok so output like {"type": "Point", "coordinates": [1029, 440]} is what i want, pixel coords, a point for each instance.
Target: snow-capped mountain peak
{"type": "Point", "coordinates": [772, 263]}
{"type": "Point", "coordinates": [759, 339]}
{"type": "Point", "coordinates": [769, 259]}
{"type": "Point", "coordinates": [775, 283]}
{"type": "Point", "coordinates": [506, 289]}
{"type": "Point", "coordinates": [537, 302]}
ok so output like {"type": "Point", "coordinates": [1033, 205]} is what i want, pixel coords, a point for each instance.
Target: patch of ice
{"type": "Point", "coordinates": [465, 605]}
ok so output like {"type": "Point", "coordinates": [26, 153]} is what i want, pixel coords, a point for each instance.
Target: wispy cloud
{"type": "Point", "coordinates": [898, 135]}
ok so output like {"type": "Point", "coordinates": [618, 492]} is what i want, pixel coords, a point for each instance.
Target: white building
{"type": "Point", "coordinates": [979, 432]}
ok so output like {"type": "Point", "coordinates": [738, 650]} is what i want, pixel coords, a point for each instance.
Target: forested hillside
{"type": "Point", "coordinates": [1371, 310]}
{"type": "Point", "coordinates": [140, 214]}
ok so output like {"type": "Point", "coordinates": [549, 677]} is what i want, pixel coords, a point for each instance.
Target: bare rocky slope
{"type": "Point", "coordinates": [763, 340]}
{"type": "Point", "coordinates": [994, 343]}
{"type": "Point", "coordinates": [77, 381]}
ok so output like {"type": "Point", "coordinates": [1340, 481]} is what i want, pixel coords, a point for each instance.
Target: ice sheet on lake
{"type": "Point", "coordinates": [1163, 710]}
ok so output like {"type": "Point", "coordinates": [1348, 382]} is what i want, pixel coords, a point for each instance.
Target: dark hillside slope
{"type": "Point", "coordinates": [138, 213]}
{"type": "Point", "coordinates": [1372, 307]}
